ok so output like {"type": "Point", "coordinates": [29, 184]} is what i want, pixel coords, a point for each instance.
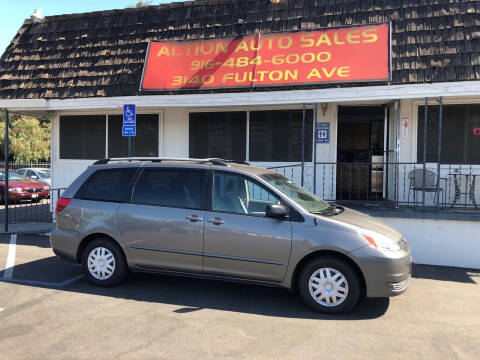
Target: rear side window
{"type": "Point", "coordinates": [107, 185]}
{"type": "Point", "coordinates": [180, 188]}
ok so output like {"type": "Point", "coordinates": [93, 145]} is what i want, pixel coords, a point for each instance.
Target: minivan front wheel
{"type": "Point", "coordinates": [103, 263]}
{"type": "Point", "coordinates": [329, 285]}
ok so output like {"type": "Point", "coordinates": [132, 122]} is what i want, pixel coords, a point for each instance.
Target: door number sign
{"type": "Point", "coordinates": [322, 133]}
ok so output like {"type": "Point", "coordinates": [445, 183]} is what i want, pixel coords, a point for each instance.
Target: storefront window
{"type": "Point", "coordinates": [144, 144]}
{"type": "Point", "coordinates": [460, 134]}
{"type": "Point", "coordinates": [277, 135]}
{"type": "Point", "coordinates": [82, 137]}
{"type": "Point", "coordinates": [218, 134]}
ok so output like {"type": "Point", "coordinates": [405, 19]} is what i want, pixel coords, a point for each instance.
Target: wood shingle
{"type": "Point", "coordinates": [102, 53]}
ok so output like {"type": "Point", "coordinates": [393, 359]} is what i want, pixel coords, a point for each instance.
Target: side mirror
{"type": "Point", "coordinates": [276, 211]}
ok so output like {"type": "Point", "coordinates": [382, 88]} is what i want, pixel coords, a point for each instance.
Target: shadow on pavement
{"type": "Point", "coordinates": [445, 273]}
{"type": "Point", "coordinates": [41, 241]}
{"type": "Point", "coordinates": [195, 294]}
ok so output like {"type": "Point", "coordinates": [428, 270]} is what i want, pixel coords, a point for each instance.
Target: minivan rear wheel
{"type": "Point", "coordinates": [103, 263]}
{"type": "Point", "coordinates": [329, 285]}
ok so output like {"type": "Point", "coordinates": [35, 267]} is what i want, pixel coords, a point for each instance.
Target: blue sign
{"type": "Point", "coordinates": [129, 120]}
{"type": "Point", "coordinates": [322, 133]}
{"type": "Point", "coordinates": [129, 130]}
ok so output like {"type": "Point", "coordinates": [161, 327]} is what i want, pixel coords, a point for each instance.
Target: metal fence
{"type": "Point", "coordinates": [39, 208]}
{"type": "Point", "coordinates": [394, 184]}
{"type": "Point", "coordinates": [22, 165]}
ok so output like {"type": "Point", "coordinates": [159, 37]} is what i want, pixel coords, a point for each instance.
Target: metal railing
{"type": "Point", "coordinates": [22, 165]}
{"type": "Point", "coordinates": [37, 206]}
{"type": "Point", "coordinates": [395, 184]}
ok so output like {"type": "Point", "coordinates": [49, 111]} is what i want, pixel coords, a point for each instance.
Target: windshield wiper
{"type": "Point", "coordinates": [336, 209]}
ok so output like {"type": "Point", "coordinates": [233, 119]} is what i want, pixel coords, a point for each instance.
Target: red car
{"type": "Point", "coordinates": [20, 188]}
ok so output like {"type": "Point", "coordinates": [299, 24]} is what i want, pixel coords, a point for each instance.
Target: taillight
{"type": "Point", "coordinates": [62, 203]}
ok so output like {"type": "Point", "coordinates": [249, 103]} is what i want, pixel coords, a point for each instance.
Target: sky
{"type": "Point", "coordinates": [14, 12]}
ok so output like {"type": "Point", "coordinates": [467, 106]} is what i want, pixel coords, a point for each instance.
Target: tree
{"type": "Point", "coordinates": [29, 139]}
{"type": "Point", "coordinates": [141, 3]}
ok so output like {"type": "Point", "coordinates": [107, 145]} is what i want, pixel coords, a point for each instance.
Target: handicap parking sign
{"type": "Point", "coordinates": [322, 133]}
{"type": "Point", "coordinates": [129, 127]}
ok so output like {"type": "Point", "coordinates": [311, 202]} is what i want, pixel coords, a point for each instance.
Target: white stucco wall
{"type": "Point", "coordinates": [441, 242]}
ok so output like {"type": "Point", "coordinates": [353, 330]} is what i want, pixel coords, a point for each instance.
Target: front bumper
{"type": "Point", "coordinates": [386, 273]}
{"type": "Point", "coordinates": [28, 195]}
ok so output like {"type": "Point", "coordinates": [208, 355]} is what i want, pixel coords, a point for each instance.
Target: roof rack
{"type": "Point", "coordinates": [214, 161]}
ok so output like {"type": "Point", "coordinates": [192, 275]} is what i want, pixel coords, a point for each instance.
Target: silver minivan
{"type": "Point", "coordinates": [225, 220]}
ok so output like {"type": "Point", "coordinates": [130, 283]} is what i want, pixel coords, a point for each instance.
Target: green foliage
{"type": "Point", "coordinates": [29, 138]}
{"type": "Point", "coordinates": [141, 3]}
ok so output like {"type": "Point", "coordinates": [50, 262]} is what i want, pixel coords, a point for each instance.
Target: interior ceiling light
{"type": "Point", "coordinates": [274, 1]}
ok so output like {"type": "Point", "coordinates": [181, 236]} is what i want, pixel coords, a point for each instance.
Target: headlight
{"type": "Point", "coordinates": [46, 188]}
{"type": "Point", "coordinates": [379, 241]}
{"type": "Point", "coordinates": [15, 190]}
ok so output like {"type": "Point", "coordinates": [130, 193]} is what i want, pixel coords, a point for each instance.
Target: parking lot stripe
{"type": "Point", "coordinates": [12, 247]}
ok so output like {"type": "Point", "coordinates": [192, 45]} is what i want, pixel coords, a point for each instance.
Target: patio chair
{"type": "Point", "coordinates": [429, 185]}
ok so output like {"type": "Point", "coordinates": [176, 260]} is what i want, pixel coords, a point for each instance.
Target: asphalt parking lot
{"type": "Point", "coordinates": [48, 310]}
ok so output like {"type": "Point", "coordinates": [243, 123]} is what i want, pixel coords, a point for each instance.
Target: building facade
{"type": "Point", "coordinates": [359, 138]}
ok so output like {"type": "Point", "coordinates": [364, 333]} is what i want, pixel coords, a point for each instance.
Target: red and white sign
{"type": "Point", "coordinates": [308, 57]}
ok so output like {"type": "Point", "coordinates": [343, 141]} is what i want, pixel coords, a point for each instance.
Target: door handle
{"type": "Point", "coordinates": [194, 218]}
{"type": "Point", "coordinates": [216, 221]}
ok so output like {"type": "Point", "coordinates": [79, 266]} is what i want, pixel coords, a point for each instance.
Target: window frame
{"type": "Point", "coordinates": [205, 186]}
{"type": "Point", "coordinates": [308, 138]}
{"type": "Point", "coordinates": [418, 142]}
{"type": "Point", "coordinates": [225, 111]}
{"type": "Point", "coordinates": [56, 146]}
{"type": "Point", "coordinates": [315, 118]}
{"type": "Point", "coordinates": [290, 211]}
{"type": "Point", "coordinates": [159, 133]}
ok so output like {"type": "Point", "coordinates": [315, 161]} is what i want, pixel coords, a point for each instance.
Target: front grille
{"type": "Point", "coordinates": [399, 286]}
{"type": "Point", "coordinates": [31, 190]}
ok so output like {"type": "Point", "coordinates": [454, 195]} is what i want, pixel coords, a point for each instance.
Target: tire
{"type": "Point", "coordinates": [339, 277]}
{"type": "Point", "coordinates": [99, 272]}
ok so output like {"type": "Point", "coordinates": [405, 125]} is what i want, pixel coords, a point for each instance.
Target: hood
{"type": "Point", "coordinates": [24, 183]}
{"type": "Point", "coordinates": [364, 221]}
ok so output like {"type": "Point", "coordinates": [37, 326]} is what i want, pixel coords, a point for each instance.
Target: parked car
{"type": "Point", "coordinates": [42, 175]}
{"type": "Point", "coordinates": [224, 220]}
{"type": "Point", "coordinates": [21, 188]}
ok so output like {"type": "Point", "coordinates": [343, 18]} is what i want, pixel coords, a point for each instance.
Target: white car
{"type": "Point", "coordinates": [38, 174]}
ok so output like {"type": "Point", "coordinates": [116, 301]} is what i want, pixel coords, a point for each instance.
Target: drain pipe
{"type": "Point", "coordinates": [425, 129]}
{"type": "Point", "coordinates": [6, 169]}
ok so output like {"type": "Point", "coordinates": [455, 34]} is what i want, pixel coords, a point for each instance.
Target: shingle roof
{"type": "Point", "coordinates": [102, 53]}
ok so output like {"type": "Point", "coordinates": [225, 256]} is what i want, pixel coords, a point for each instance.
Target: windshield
{"type": "Point", "coordinates": [12, 175]}
{"type": "Point", "coordinates": [44, 173]}
{"type": "Point", "coordinates": [301, 196]}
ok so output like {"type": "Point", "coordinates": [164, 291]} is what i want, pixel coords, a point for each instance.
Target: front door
{"type": "Point", "coordinates": [163, 224]}
{"type": "Point", "coordinates": [360, 152]}
{"type": "Point", "coordinates": [240, 241]}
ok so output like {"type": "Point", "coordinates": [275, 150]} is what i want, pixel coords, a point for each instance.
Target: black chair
{"type": "Point", "coordinates": [428, 185]}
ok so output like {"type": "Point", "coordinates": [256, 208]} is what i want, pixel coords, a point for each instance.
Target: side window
{"type": "Point", "coordinates": [30, 173]}
{"type": "Point", "coordinates": [180, 188]}
{"type": "Point", "coordinates": [21, 172]}
{"type": "Point", "coordinates": [238, 194]}
{"type": "Point", "coordinates": [107, 185]}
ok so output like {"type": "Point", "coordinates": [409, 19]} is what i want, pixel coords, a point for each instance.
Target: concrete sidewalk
{"type": "Point", "coordinates": [28, 228]}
